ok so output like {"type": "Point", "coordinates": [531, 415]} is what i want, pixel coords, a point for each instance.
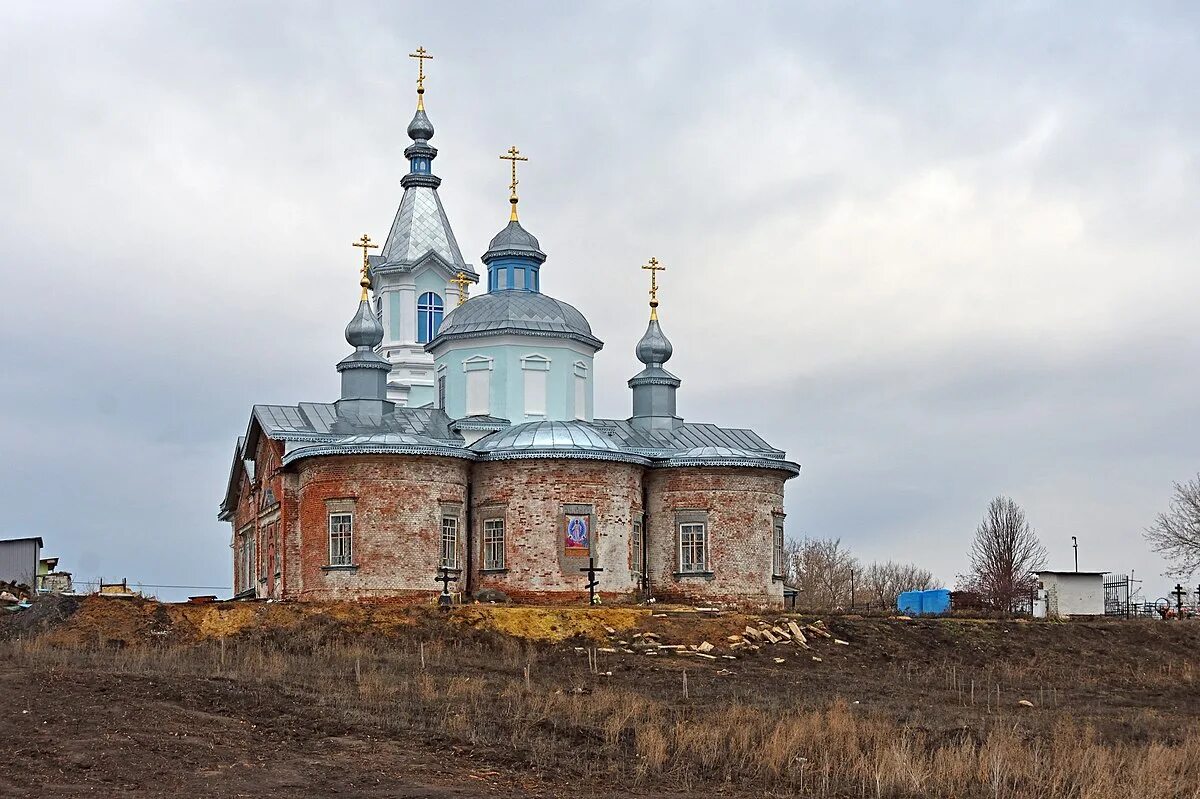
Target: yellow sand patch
{"type": "Point", "coordinates": [549, 624]}
{"type": "Point", "coordinates": [217, 620]}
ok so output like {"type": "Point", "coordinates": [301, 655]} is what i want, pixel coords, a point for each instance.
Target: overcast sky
{"type": "Point", "coordinates": [936, 251]}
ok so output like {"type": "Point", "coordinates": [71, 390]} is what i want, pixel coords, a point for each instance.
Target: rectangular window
{"type": "Point", "coordinates": [777, 549]}
{"type": "Point", "coordinates": [636, 556]}
{"type": "Point", "coordinates": [519, 278]}
{"type": "Point", "coordinates": [580, 397]}
{"type": "Point", "coordinates": [341, 534]}
{"type": "Point", "coordinates": [478, 385]}
{"type": "Point", "coordinates": [441, 392]}
{"type": "Point", "coordinates": [693, 547]}
{"type": "Point", "coordinates": [449, 542]}
{"type": "Point", "coordinates": [493, 544]}
{"type": "Point", "coordinates": [535, 392]}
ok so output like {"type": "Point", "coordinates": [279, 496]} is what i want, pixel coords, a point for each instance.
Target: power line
{"type": "Point", "coordinates": [155, 585]}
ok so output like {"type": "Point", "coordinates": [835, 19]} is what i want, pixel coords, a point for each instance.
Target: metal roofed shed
{"type": "Point", "coordinates": [19, 560]}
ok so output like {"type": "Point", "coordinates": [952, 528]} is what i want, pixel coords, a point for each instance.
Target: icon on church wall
{"type": "Point", "coordinates": [578, 540]}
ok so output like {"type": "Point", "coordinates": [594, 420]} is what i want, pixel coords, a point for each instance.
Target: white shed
{"type": "Point", "coordinates": [1069, 594]}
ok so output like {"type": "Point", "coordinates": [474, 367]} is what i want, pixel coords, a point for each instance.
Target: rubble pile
{"type": "Point", "coordinates": [14, 595]}
{"type": "Point", "coordinates": [761, 636]}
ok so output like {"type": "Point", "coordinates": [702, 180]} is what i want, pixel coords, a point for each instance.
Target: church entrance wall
{"type": "Point", "coordinates": [555, 513]}
{"type": "Point", "coordinates": [710, 534]}
{"type": "Point", "coordinates": [371, 526]}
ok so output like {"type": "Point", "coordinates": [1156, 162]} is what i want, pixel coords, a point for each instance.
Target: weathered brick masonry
{"type": "Point", "coordinates": [398, 502]}
{"type": "Point", "coordinates": [532, 496]}
{"type": "Point", "coordinates": [739, 505]}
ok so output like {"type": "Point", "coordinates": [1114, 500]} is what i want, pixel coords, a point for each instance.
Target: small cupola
{"type": "Point", "coordinates": [364, 372]}
{"type": "Point", "coordinates": [654, 387]}
{"type": "Point", "coordinates": [514, 258]}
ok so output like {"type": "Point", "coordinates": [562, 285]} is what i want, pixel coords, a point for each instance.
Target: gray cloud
{"type": "Point", "coordinates": [937, 252]}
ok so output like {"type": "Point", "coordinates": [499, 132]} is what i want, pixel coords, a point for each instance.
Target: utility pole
{"type": "Point", "coordinates": [1075, 544]}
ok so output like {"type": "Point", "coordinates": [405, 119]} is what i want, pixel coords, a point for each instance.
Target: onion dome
{"type": "Point", "coordinates": [654, 349]}
{"type": "Point", "coordinates": [364, 330]}
{"type": "Point", "coordinates": [420, 129]}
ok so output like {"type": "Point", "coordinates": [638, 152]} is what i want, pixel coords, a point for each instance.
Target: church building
{"type": "Point", "coordinates": [465, 438]}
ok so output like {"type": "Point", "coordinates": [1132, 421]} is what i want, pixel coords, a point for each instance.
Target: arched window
{"type": "Point", "coordinates": [429, 316]}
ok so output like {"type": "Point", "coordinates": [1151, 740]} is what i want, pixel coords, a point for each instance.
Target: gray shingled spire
{"type": "Point", "coordinates": [420, 226]}
{"type": "Point", "coordinates": [654, 387]}
{"type": "Point", "coordinates": [364, 371]}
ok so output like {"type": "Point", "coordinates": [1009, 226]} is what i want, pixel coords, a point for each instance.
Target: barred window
{"type": "Point", "coordinates": [693, 547]}
{"type": "Point", "coordinates": [341, 534]}
{"type": "Point", "coordinates": [449, 542]}
{"type": "Point", "coordinates": [636, 555]}
{"type": "Point", "coordinates": [493, 544]}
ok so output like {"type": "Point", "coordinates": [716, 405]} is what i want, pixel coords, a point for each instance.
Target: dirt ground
{"type": "Point", "coordinates": [83, 734]}
{"type": "Point", "coordinates": [92, 723]}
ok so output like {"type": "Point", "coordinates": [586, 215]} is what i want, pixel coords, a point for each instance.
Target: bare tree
{"type": "Point", "coordinates": [820, 569]}
{"type": "Point", "coordinates": [883, 582]}
{"type": "Point", "coordinates": [1176, 534]}
{"type": "Point", "coordinates": [1003, 556]}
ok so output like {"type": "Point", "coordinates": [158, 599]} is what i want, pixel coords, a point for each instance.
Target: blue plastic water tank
{"type": "Point", "coordinates": [935, 601]}
{"type": "Point", "coordinates": [909, 603]}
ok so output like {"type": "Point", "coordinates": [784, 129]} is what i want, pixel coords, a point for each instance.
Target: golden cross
{"type": "Point", "coordinates": [421, 56]}
{"type": "Point", "coordinates": [462, 281]}
{"type": "Point", "coordinates": [365, 244]}
{"type": "Point", "coordinates": [654, 268]}
{"type": "Point", "coordinates": [513, 155]}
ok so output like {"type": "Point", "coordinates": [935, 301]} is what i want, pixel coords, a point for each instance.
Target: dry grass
{"type": "Point", "coordinates": [499, 695]}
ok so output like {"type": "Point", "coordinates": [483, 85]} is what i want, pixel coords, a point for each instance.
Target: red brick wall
{"type": "Point", "coordinates": [262, 520]}
{"type": "Point", "coordinates": [397, 505]}
{"type": "Point", "coordinates": [739, 504]}
{"type": "Point", "coordinates": [530, 494]}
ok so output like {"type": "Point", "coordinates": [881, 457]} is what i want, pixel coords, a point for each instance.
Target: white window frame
{"type": "Point", "coordinates": [493, 544]}
{"type": "Point", "coordinates": [478, 401]}
{"type": "Point", "coordinates": [449, 538]}
{"type": "Point", "coordinates": [343, 554]}
{"type": "Point", "coordinates": [637, 547]}
{"type": "Point", "coordinates": [580, 390]}
{"type": "Point", "coordinates": [777, 547]}
{"type": "Point", "coordinates": [688, 531]}
{"type": "Point", "coordinates": [535, 369]}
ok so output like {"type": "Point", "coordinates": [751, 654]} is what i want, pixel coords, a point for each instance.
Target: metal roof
{"type": "Point", "coordinates": [684, 437]}
{"type": "Point", "coordinates": [517, 312]}
{"type": "Point", "coordinates": [37, 538]}
{"type": "Point", "coordinates": [379, 444]}
{"type": "Point", "coordinates": [311, 420]}
{"type": "Point", "coordinates": [553, 439]}
{"type": "Point", "coordinates": [421, 227]}
{"type": "Point", "coordinates": [516, 241]}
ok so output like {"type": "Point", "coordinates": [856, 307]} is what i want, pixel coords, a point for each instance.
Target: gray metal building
{"type": "Point", "coordinates": [19, 560]}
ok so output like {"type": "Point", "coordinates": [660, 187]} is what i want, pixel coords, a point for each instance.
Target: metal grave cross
{"type": "Point", "coordinates": [1179, 593]}
{"type": "Point", "coordinates": [444, 577]}
{"type": "Point", "coordinates": [591, 570]}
